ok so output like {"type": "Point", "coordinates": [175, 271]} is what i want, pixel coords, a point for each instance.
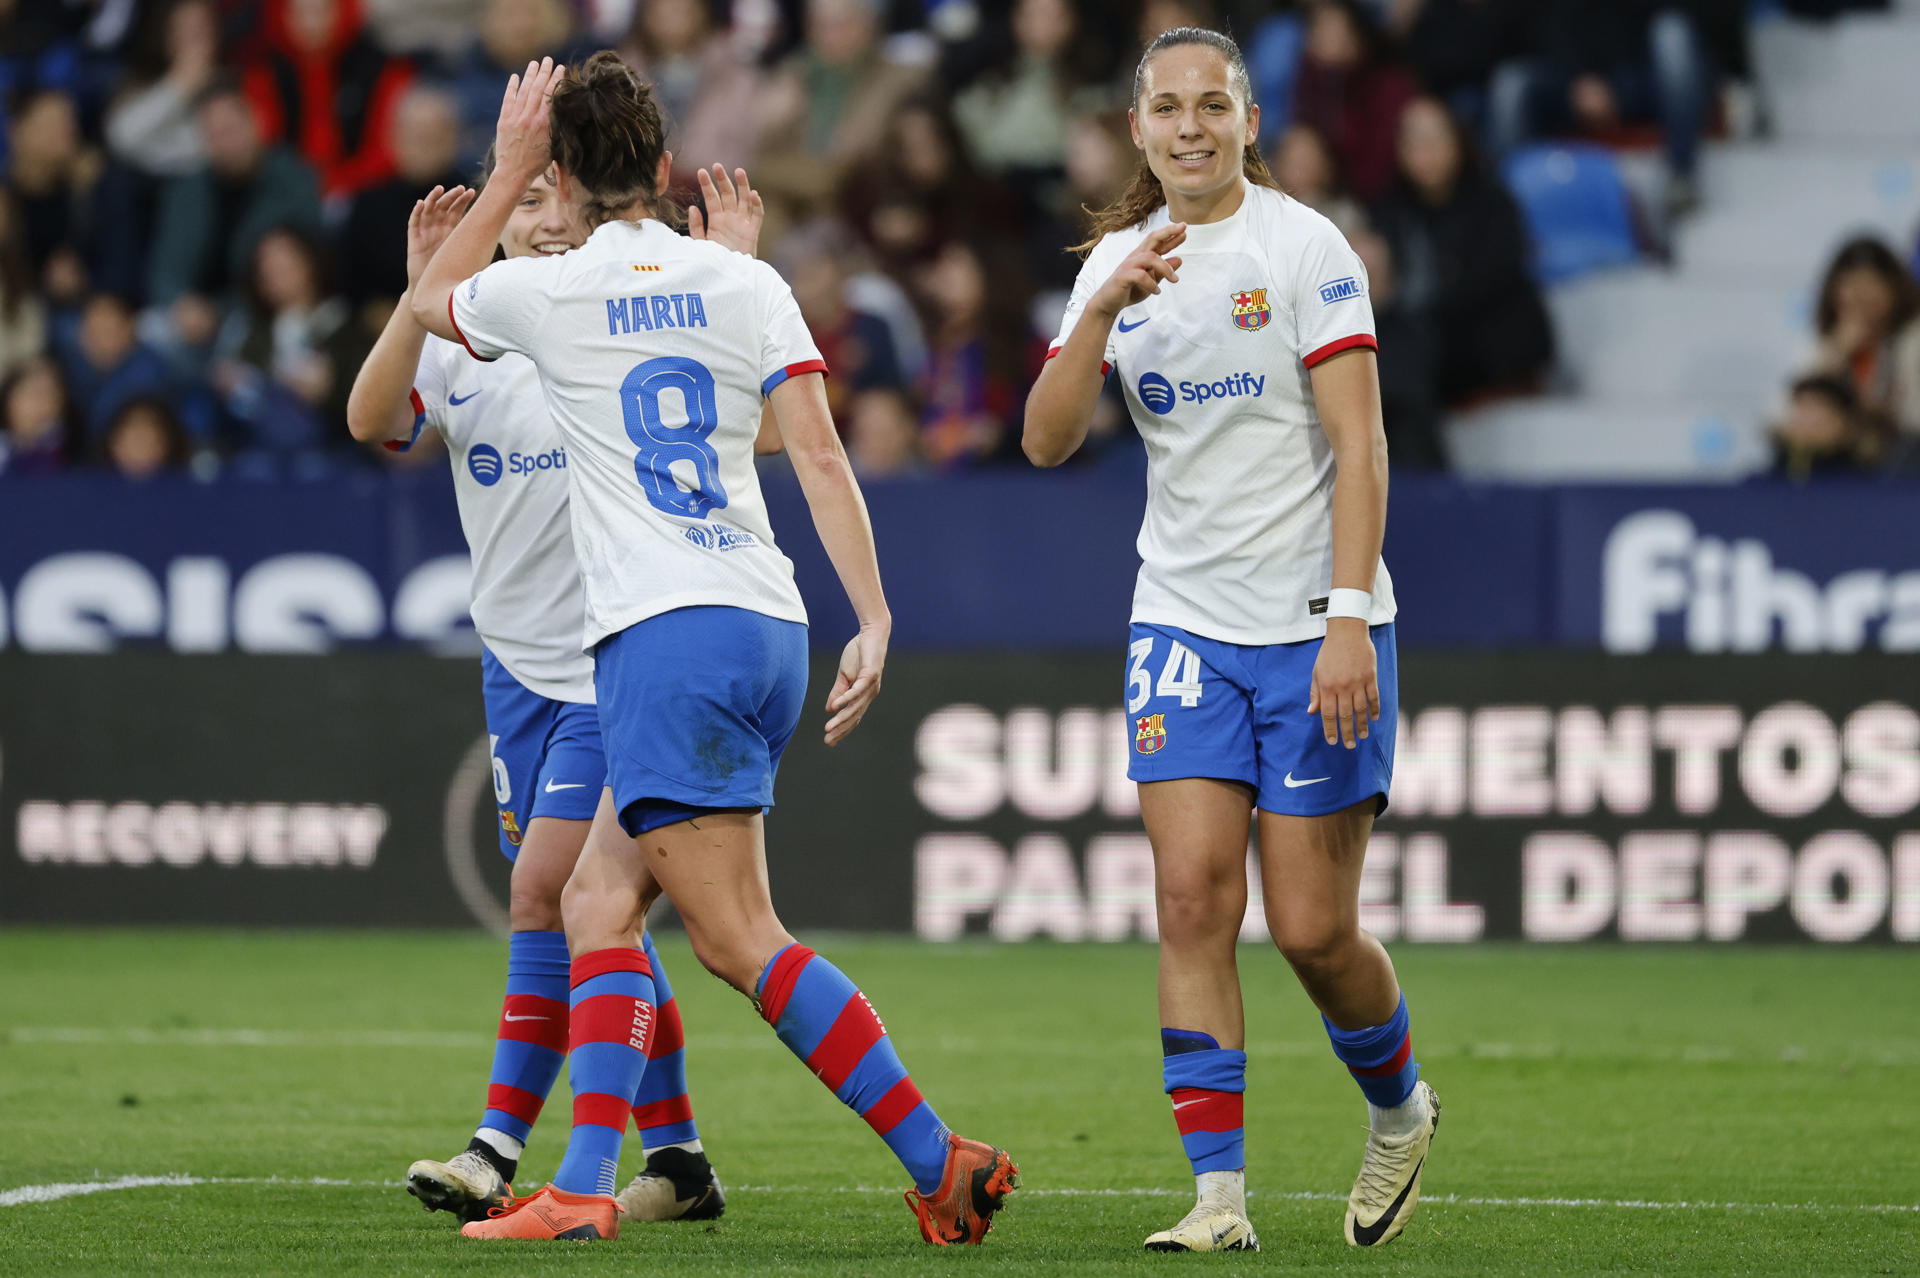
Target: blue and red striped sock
{"type": "Point", "coordinates": [612, 1021]}
{"type": "Point", "coordinates": [661, 1109]}
{"type": "Point", "coordinates": [1380, 1058]}
{"type": "Point", "coordinates": [532, 1039]}
{"type": "Point", "coordinates": [829, 1024]}
{"type": "Point", "coordinates": [1207, 1084]}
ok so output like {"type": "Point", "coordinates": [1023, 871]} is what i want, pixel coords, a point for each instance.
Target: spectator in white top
{"type": "Point", "coordinates": [155, 129]}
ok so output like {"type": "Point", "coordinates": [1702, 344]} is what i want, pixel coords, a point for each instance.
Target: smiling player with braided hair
{"type": "Point", "coordinates": [1260, 674]}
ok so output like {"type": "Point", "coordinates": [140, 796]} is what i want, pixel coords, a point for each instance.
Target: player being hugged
{"type": "Point", "coordinates": [548, 761]}
{"type": "Point", "coordinates": [655, 352]}
{"type": "Point", "coordinates": [1260, 674]}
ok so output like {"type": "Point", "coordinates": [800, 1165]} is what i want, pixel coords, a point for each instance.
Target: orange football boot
{"type": "Point", "coordinates": [975, 1185]}
{"type": "Point", "coordinates": [551, 1213]}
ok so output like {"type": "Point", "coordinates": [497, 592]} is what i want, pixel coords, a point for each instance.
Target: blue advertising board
{"type": "Point", "coordinates": [990, 560]}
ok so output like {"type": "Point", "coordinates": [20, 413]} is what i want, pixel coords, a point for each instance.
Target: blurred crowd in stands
{"type": "Point", "coordinates": [203, 216]}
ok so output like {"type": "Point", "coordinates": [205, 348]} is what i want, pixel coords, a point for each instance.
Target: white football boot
{"type": "Point", "coordinates": [1388, 1187]}
{"type": "Point", "coordinates": [1218, 1221]}
{"type": "Point", "coordinates": [677, 1184]}
{"type": "Point", "coordinates": [466, 1185]}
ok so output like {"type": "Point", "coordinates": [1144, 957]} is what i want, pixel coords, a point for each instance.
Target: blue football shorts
{"type": "Point", "coordinates": [697, 706]}
{"type": "Point", "coordinates": [1199, 707]}
{"type": "Point", "coordinates": [548, 760]}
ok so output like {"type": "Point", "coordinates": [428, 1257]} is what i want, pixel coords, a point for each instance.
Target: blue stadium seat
{"type": "Point", "coordinates": [1576, 207]}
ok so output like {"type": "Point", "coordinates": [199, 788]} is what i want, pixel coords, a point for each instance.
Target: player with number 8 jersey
{"type": "Point", "coordinates": [670, 344]}
{"type": "Point", "coordinates": [655, 354]}
{"type": "Point", "coordinates": [548, 762]}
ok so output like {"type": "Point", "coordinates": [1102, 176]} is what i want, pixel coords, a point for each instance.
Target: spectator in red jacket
{"type": "Point", "coordinates": [325, 88]}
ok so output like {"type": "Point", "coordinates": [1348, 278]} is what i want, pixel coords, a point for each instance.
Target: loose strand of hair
{"type": "Point", "coordinates": [1144, 196]}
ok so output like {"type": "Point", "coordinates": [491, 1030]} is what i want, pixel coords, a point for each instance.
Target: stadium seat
{"type": "Point", "coordinates": [1576, 207]}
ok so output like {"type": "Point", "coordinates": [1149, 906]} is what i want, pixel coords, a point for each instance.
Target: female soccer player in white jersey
{"type": "Point", "coordinates": [548, 761]}
{"type": "Point", "coordinates": [655, 352]}
{"type": "Point", "coordinates": [1260, 676]}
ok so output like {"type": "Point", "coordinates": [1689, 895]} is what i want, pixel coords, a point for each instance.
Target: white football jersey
{"type": "Point", "coordinates": [510, 478]}
{"type": "Point", "coordinates": [654, 352]}
{"type": "Point", "coordinates": [1237, 543]}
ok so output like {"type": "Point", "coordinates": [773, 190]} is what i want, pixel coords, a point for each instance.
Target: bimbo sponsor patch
{"type": "Point", "coordinates": [1342, 289]}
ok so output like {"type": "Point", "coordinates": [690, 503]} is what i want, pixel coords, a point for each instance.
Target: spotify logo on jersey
{"type": "Point", "coordinates": [1156, 392]}
{"type": "Point", "coordinates": [484, 461]}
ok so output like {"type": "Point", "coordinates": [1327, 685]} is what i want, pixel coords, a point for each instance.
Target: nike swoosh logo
{"type": "Point", "coordinates": [1291, 784]}
{"type": "Point", "coordinates": [1128, 328]}
{"type": "Point", "coordinates": [457, 400]}
{"type": "Point", "coordinates": [1368, 1235]}
{"type": "Point", "coordinates": [1184, 1104]}
{"type": "Point", "coordinates": [575, 785]}
{"type": "Point", "coordinates": [510, 1016]}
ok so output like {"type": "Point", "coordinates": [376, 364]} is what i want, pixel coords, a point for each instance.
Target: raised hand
{"type": "Point", "coordinates": [1140, 275]}
{"type": "Point", "coordinates": [734, 211]}
{"type": "Point", "coordinates": [428, 226]}
{"type": "Point", "coordinates": [521, 145]}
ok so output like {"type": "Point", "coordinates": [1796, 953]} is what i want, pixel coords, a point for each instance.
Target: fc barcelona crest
{"type": "Point", "coordinates": [510, 827]}
{"type": "Point", "coordinates": [1152, 734]}
{"type": "Point", "coordinates": [1250, 309]}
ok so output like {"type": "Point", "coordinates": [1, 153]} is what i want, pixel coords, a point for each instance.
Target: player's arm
{"type": "Point", "coordinates": [840, 517]}
{"type": "Point", "coordinates": [521, 151]}
{"type": "Point", "coordinates": [378, 406]}
{"type": "Point", "coordinates": [768, 441]}
{"type": "Point", "coordinates": [1060, 406]}
{"type": "Point", "coordinates": [1346, 393]}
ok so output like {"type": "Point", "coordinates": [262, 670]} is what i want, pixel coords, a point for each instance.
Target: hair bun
{"type": "Point", "coordinates": [608, 134]}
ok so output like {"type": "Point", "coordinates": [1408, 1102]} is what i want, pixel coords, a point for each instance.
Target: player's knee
{"type": "Point", "coordinates": [595, 919]}
{"type": "Point", "coordinates": [1312, 944]}
{"type": "Point", "coordinates": [533, 898]}
{"type": "Point", "coordinates": [1198, 908]}
{"type": "Point", "coordinates": [534, 909]}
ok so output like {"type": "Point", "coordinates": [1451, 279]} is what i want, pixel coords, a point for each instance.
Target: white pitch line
{"type": "Point", "coordinates": [1684, 1054]}
{"type": "Point", "coordinates": [73, 1189]}
{"type": "Point", "coordinates": [51, 1193]}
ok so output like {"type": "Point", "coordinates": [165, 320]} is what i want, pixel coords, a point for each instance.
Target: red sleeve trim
{"type": "Point", "coordinates": [1331, 349]}
{"type": "Point", "coordinates": [419, 420]}
{"type": "Point", "coordinates": [793, 370]}
{"type": "Point", "coordinates": [1105, 367]}
{"type": "Point", "coordinates": [462, 336]}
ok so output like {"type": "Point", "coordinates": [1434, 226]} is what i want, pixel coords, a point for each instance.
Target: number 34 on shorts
{"type": "Point", "coordinates": [1200, 707]}
{"type": "Point", "coordinates": [1162, 673]}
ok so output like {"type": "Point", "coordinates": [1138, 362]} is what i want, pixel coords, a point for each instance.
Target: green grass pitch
{"type": "Point", "coordinates": [1672, 1111]}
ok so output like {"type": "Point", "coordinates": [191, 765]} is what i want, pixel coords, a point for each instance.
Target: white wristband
{"type": "Point", "coordinates": [1357, 604]}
